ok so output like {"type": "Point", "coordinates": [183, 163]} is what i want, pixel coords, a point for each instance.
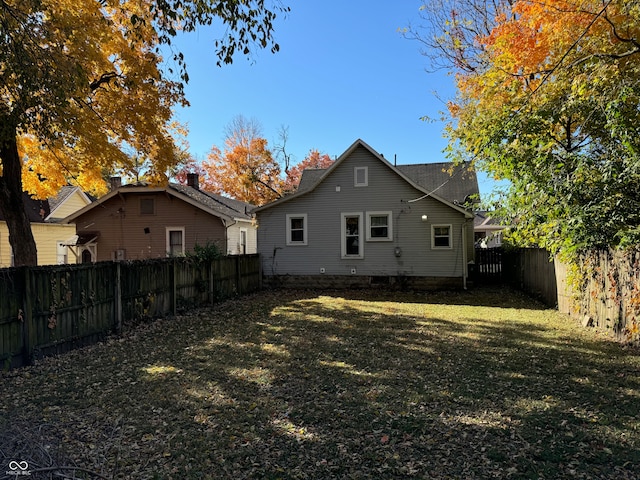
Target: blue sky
{"type": "Point", "coordinates": [343, 72]}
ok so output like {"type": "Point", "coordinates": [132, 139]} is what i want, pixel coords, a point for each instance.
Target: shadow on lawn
{"type": "Point", "coordinates": [480, 296]}
{"type": "Point", "coordinates": [329, 388]}
{"type": "Point", "coordinates": [353, 385]}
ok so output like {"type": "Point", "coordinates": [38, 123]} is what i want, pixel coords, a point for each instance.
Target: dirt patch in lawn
{"type": "Point", "coordinates": [482, 384]}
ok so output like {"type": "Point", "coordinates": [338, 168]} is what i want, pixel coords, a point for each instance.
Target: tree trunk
{"type": "Point", "coordinates": [11, 204]}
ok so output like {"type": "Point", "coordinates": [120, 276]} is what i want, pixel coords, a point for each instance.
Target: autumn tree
{"type": "Point", "coordinates": [314, 159]}
{"type": "Point", "coordinates": [245, 169]}
{"type": "Point", "coordinates": [83, 89]}
{"type": "Point", "coordinates": [548, 97]}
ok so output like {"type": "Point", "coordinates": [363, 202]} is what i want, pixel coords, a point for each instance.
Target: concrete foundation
{"type": "Point", "coordinates": [361, 282]}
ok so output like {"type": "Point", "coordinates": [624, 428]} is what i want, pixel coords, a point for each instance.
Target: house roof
{"type": "Point", "coordinates": [63, 195]}
{"type": "Point", "coordinates": [310, 177]}
{"type": "Point", "coordinates": [226, 206]}
{"type": "Point", "coordinates": [37, 210]}
{"type": "Point", "coordinates": [456, 183]}
{"type": "Point", "coordinates": [217, 205]}
{"type": "Point", "coordinates": [484, 221]}
{"type": "Point", "coordinates": [457, 186]}
{"type": "Point", "coordinates": [43, 211]}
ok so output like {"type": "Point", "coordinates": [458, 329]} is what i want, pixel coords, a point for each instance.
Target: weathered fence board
{"type": "Point", "coordinates": [605, 292]}
{"type": "Point", "coordinates": [488, 265]}
{"type": "Point", "coordinates": [531, 270]}
{"type": "Point", "coordinates": [48, 310]}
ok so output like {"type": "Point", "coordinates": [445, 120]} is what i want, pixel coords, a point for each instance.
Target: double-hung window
{"type": "Point", "coordinates": [175, 241]}
{"type": "Point", "coordinates": [441, 236]}
{"type": "Point", "coordinates": [379, 227]}
{"type": "Point", "coordinates": [243, 241]}
{"type": "Point", "coordinates": [351, 230]}
{"type": "Point", "coordinates": [297, 229]}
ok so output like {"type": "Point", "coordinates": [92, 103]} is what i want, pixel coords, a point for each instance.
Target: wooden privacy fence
{"type": "Point", "coordinates": [528, 269]}
{"type": "Point", "coordinates": [488, 265]}
{"type": "Point", "coordinates": [531, 270]}
{"type": "Point", "coordinates": [53, 309]}
{"type": "Point", "coordinates": [604, 291]}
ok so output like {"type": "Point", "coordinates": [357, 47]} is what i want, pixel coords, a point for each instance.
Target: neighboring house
{"type": "Point", "coordinates": [487, 230]}
{"type": "Point", "coordinates": [139, 221]}
{"type": "Point", "coordinates": [49, 234]}
{"type": "Point", "coordinates": [364, 221]}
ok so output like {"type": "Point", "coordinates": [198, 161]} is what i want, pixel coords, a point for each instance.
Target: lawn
{"type": "Point", "coordinates": [308, 385]}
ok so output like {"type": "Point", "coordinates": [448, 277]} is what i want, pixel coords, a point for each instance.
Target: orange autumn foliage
{"type": "Point", "coordinates": [314, 159]}
{"type": "Point", "coordinates": [244, 170]}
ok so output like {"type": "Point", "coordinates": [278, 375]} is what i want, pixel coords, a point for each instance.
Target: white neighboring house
{"type": "Point", "coordinates": [487, 231]}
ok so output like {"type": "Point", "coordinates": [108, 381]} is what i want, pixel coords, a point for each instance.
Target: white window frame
{"type": "Point", "coordinates": [343, 235]}
{"type": "Point", "coordinates": [305, 229]}
{"type": "Point", "coordinates": [242, 241]}
{"type": "Point", "coordinates": [62, 253]}
{"type": "Point", "coordinates": [366, 176]}
{"type": "Point", "coordinates": [168, 231]}
{"type": "Point", "coordinates": [433, 236]}
{"type": "Point", "coordinates": [389, 237]}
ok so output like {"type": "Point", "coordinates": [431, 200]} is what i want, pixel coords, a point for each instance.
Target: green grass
{"type": "Point", "coordinates": [482, 384]}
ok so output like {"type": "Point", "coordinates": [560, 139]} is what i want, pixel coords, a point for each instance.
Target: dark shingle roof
{"type": "Point", "coordinates": [224, 205]}
{"type": "Point", "coordinates": [62, 195]}
{"type": "Point", "coordinates": [454, 183]}
{"type": "Point", "coordinates": [310, 177]}
{"type": "Point", "coordinates": [484, 219]}
{"type": "Point", "coordinates": [37, 210]}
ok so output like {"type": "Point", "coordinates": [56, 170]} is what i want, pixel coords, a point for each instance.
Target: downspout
{"type": "Point", "coordinates": [226, 234]}
{"type": "Point", "coordinates": [464, 255]}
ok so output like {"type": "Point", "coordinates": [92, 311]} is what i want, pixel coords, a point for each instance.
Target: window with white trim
{"type": "Point", "coordinates": [441, 236]}
{"type": "Point", "coordinates": [61, 253]}
{"type": "Point", "coordinates": [243, 241]}
{"type": "Point", "coordinates": [297, 229]}
{"type": "Point", "coordinates": [351, 229]}
{"type": "Point", "coordinates": [379, 226]}
{"type": "Point", "coordinates": [360, 176]}
{"type": "Point", "coordinates": [175, 241]}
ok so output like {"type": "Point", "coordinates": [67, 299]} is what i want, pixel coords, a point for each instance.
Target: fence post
{"type": "Point", "coordinates": [28, 332]}
{"type": "Point", "coordinates": [118, 299]}
{"type": "Point", "coordinates": [211, 290]}
{"type": "Point", "coordinates": [174, 286]}
{"type": "Point", "coordinates": [238, 279]}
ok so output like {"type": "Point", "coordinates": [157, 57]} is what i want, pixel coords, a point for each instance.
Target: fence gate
{"type": "Point", "coordinates": [488, 268]}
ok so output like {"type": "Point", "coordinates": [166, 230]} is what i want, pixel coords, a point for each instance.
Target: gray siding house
{"type": "Point", "coordinates": [364, 221]}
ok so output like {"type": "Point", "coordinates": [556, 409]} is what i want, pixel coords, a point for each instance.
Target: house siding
{"type": "Point", "coordinates": [72, 204]}
{"type": "Point", "coordinates": [121, 226]}
{"type": "Point", "coordinates": [233, 238]}
{"type": "Point", "coordinates": [385, 191]}
{"type": "Point", "coordinates": [46, 236]}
